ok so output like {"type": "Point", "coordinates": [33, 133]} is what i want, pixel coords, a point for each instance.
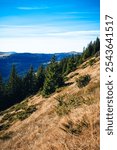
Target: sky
{"type": "Point", "coordinates": [48, 26]}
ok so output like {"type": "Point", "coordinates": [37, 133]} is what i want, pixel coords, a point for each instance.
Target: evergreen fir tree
{"type": "Point", "coordinates": [71, 65]}
{"type": "Point", "coordinates": [53, 78]}
{"type": "Point", "coordinates": [88, 51]}
{"type": "Point", "coordinates": [14, 86]}
{"type": "Point", "coordinates": [63, 65]}
{"type": "Point", "coordinates": [29, 82]}
{"type": "Point", "coordinates": [40, 77]}
{"type": "Point", "coordinates": [77, 59]}
{"type": "Point", "coordinates": [97, 45]}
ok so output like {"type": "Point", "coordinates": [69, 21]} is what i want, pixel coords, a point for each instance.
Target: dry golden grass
{"type": "Point", "coordinates": [44, 129]}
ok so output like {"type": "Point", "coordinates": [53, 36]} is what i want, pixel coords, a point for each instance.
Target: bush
{"type": "Point", "coordinates": [22, 115]}
{"type": "Point", "coordinates": [20, 112]}
{"type": "Point", "coordinates": [31, 109]}
{"type": "Point", "coordinates": [6, 136]}
{"type": "Point", "coordinates": [6, 117]}
{"type": "Point", "coordinates": [66, 103]}
{"type": "Point", "coordinates": [75, 74]}
{"type": "Point", "coordinates": [91, 62]}
{"type": "Point", "coordinates": [75, 129]}
{"type": "Point", "coordinates": [26, 113]}
{"type": "Point", "coordinates": [20, 106]}
{"type": "Point", "coordinates": [84, 66]}
{"type": "Point", "coordinates": [4, 126]}
{"type": "Point", "coordinates": [62, 107]}
{"type": "Point", "coordinates": [83, 81]}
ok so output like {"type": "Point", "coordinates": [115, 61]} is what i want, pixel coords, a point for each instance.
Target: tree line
{"type": "Point", "coordinates": [46, 80]}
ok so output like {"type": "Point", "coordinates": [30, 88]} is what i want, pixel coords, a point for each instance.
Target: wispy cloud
{"type": "Point", "coordinates": [32, 8]}
{"type": "Point", "coordinates": [80, 12]}
{"type": "Point", "coordinates": [44, 31]}
{"type": "Point", "coordinates": [44, 39]}
{"type": "Point", "coordinates": [76, 33]}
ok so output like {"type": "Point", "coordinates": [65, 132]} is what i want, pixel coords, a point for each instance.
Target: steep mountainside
{"type": "Point", "coordinates": [66, 120]}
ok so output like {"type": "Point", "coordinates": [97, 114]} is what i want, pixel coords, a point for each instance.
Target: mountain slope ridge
{"type": "Point", "coordinates": [46, 130]}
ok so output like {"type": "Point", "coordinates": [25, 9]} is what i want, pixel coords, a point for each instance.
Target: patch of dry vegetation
{"type": "Point", "coordinates": [6, 136]}
{"type": "Point", "coordinates": [89, 62]}
{"type": "Point", "coordinates": [67, 102]}
{"type": "Point", "coordinates": [83, 80]}
{"type": "Point", "coordinates": [69, 119]}
{"type": "Point", "coordinates": [17, 112]}
{"type": "Point", "coordinates": [75, 128]}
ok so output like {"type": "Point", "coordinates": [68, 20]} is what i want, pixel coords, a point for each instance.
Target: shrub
{"type": "Point", "coordinates": [20, 106]}
{"type": "Point", "coordinates": [83, 81]}
{"type": "Point", "coordinates": [26, 113]}
{"type": "Point", "coordinates": [91, 62]}
{"type": "Point", "coordinates": [75, 129]}
{"type": "Point", "coordinates": [66, 103]}
{"type": "Point", "coordinates": [31, 109]}
{"type": "Point", "coordinates": [22, 115]}
{"type": "Point", "coordinates": [6, 136]}
{"type": "Point", "coordinates": [4, 126]}
{"type": "Point", "coordinates": [60, 89]}
{"type": "Point", "coordinates": [10, 117]}
{"type": "Point", "coordinates": [62, 107]}
{"type": "Point", "coordinates": [84, 66]}
{"type": "Point", "coordinates": [66, 78]}
{"type": "Point", "coordinates": [6, 117]}
{"type": "Point", "coordinates": [75, 74]}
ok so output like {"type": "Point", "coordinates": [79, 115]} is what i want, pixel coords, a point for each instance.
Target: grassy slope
{"type": "Point", "coordinates": [45, 128]}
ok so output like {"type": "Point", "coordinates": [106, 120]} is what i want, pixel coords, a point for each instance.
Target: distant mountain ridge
{"type": "Point", "coordinates": [5, 54]}
{"type": "Point", "coordinates": [24, 60]}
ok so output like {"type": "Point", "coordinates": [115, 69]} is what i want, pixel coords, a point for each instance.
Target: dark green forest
{"type": "Point", "coordinates": [46, 80]}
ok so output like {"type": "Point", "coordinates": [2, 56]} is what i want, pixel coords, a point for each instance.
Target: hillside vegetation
{"type": "Point", "coordinates": [45, 80]}
{"type": "Point", "coordinates": [55, 108]}
{"type": "Point", "coordinates": [68, 119]}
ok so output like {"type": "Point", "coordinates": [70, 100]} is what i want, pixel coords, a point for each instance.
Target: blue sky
{"type": "Point", "coordinates": [48, 25]}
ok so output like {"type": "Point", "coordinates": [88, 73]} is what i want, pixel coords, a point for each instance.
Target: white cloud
{"type": "Point", "coordinates": [46, 39]}
{"type": "Point", "coordinates": [76, 33]}
{"type": "Point", "coordinates": [43, 31]}
{"type": "Point", "coordinates": [32, 8]}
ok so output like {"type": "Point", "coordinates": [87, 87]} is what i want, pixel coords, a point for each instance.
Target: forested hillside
{"type": "Point", "coordinates": [66, 119]}
{"type": "Point", "coordinates": [45, 80]}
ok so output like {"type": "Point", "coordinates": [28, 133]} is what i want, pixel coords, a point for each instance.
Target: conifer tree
{"type": "Point", "coordinates": [14, 86]}
{"type": "Point", "coordinates": [96, 45]}
{"type": "Point", "coordinates": [88, 51]}
{"type": "Point", "coordinates": [63, 65]}
{"type": "Point", "coordinates": [77, 59]}
{"type": "Point", "coordinates": [40, 77]}
{"type": "Point", "coordinates": [71, 65]}
{"type": "Point", "coordinates": [29, 82]}
{"type": "Point", "coordinates": [53, 78]}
